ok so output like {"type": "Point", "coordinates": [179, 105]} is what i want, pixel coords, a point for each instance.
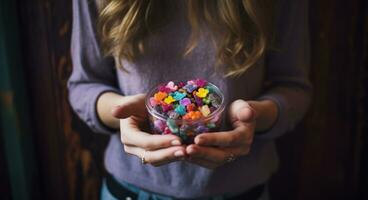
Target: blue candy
{"type": "Point", "coordinates": [190, 88]}
{"type": "Point", "coordinates": [178, 95]}
{"type": "Point", "coordinates": [180, 109]}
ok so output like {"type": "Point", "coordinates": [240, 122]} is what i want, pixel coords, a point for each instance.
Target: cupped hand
{"type": "Point", "coordinates": [156, 149]}
{"type": "Point", "coordinates": [212, 150]}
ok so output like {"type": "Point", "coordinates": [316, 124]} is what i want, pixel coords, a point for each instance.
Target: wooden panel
{"type": "Point", "coordinates": [325, 165]}
{"type": "Point", "coordinates": [69, 155]}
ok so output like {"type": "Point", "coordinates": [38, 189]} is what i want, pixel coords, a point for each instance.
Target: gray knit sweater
{"type": "Point", "coordinates": [286, 69]}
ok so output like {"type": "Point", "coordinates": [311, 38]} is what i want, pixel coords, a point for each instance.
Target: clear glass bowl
{"type": "Point", "coordinates": [186, 129]}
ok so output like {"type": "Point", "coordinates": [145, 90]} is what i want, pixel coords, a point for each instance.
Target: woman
{"type": "Point", "coordinates": [121, 48]}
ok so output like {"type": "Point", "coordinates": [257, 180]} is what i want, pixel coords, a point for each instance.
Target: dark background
{"type": "Point", "coordinates": [326, 157]}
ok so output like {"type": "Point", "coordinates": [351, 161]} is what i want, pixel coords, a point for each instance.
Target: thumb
{"type": "Point", "coordinates": [129, 106]}
{"type": "Point", "coordinates": [246, 114]}
{"type": "Point", "coordinates": [242, 111]}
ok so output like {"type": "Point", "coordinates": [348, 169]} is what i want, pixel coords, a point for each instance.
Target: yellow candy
{"type": "Point", "coordinates": [160, 95]}
{"type": "Point", "coordinates": [202, 92]}
{"type": "Point", "coordinates": [169, 100]}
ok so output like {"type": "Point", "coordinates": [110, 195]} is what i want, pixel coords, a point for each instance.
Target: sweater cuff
{"type": "Point", "coordinates": [281, 123]}
{"type": "Point", "coordinates": [93, 121]}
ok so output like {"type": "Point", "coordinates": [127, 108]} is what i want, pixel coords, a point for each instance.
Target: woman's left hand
{"type": "Point", "coordinates": [212, 150]}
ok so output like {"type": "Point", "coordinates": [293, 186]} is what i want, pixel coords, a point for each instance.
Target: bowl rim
{"type": "Point", "coordinates": [158, 115]}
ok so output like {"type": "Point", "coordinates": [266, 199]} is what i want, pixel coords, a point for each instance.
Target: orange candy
{"type": "Point", "coordinates": [160, 95]}
{"type": "Point", "coordinates": [193, 115]}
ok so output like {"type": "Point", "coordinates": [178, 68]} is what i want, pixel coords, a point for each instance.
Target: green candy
{"type": "Point", "coordinates": [211, 125]}
{"type": "Point", "coordinates": [183, 135]}
{"type": "Point", "coordinates": [206, 101]}
{"type": "Point", "coordinates": [172, 125]}
{"type": "Point", "coordinates": [210, 88]}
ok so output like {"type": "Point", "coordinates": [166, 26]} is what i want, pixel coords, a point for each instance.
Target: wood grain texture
{"type": "Point", "coordinates": [69, 155]}
{"type": "Point", "coordinates": [328, 158]}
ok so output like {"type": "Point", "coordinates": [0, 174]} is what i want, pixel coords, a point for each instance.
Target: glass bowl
{"type": "Point", "coordinates": [186, 129]}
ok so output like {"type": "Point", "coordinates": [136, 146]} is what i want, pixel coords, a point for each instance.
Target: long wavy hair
{"type": "Point", "coordinates": [238, 28]}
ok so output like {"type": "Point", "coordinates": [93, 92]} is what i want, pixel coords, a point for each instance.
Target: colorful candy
{"type": "Point", "coordinates": [186, 108]}
{"type": "Point", "coordinates": [185, 102]}
{"type": "Point", "coordinates": [169, 100]}
{"type": "Point", "coordinates": [178, 95]}
{"type": "Point", "coordinates": [160, 95]}
{"type": "Point", "coordinates": [159, 125]}
{"type": "Point", "coordinates": [171, 85]}
{"type": "Point", "coordinates": [205, 110]}
{"type": "Point", "coordinates": [180, 109]}
{"type": "Point", "coordinates": [172, 125]}
{"type": "Point", "coordinates": [202, 92]}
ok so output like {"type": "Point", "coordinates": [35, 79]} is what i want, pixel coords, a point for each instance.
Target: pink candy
{"type": "Point", "coordinates": [171, 85]}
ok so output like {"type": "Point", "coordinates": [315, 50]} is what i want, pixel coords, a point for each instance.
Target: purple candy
{"type": "Point", "coordinates": [159, 125]}
{"type": "Point", "coordinates": [212, 109]}
{"type": "Point", "coordinates": [190, 88]}
{"type": "Point", "coordinates": [198, 100]}
{"type": "Point", "coordinates": [185, 102]}
{"type": "Point", "coordinates": [201, 129]}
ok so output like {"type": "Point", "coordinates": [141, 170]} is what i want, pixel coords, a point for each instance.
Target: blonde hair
{"type": "Point", "coordinates": [123, 25]}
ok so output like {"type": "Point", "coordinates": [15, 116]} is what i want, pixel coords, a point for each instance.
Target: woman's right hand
{"type": "Point", "coordinates": [156, 149]}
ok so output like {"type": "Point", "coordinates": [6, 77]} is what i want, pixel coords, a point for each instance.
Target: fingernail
{"type": "Point", "coordinates": [191, 150]}
{"type": "Point", "coordinates": [199, 140]}
{"type": "Point", "coordinates": [179, 153]}
{"type": "Point", "coordinates": [175, 142]}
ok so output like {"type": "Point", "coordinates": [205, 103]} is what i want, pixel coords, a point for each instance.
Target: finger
{"type": "Point", "coordinates": [131, 135]}
{"type": "Point", "coordinates": [157, 157]}
{"type": "Point", "coordinates": [242, 111]}
{"type": "Point", "coordinates": [241, 135]}
{"type": "Point", "coordinates": [216, 155]}
{"type": "Point", "coordinates": [206, 153]}
{"type": "Point", "coordinates": [131, 105]}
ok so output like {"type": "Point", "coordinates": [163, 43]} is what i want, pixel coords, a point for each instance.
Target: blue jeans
{"type": "Point", "coordinates": [143, 195]}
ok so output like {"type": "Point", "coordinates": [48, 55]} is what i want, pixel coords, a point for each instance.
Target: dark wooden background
{"type": "Point", "coordinates": [322, 159]}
